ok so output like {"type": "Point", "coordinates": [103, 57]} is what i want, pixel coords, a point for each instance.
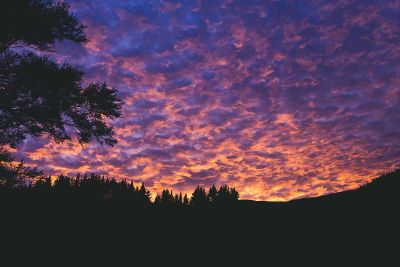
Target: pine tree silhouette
{"type": "Point", "coordinates": [199, 198]}
{"type": "Point", "coordinates": [212, 194]}
{"type": "Point", "coordinates": [144, 195]}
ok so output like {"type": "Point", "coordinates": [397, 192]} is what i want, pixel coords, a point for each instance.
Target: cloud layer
{"type": "Point", "coordinates": [280, 99]}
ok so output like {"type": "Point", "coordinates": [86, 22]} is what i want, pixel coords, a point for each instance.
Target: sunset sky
{"type": "Point", "coordinates": [281, 99]}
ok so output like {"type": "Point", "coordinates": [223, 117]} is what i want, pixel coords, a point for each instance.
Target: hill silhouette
{"type": "Point", "coordinates": [381, 190]}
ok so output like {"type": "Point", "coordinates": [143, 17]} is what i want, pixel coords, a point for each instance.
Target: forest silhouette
{"type": "Point", "coordinates": [99, 190]}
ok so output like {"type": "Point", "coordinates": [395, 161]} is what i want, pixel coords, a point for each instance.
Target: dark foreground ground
{"type": "Point", "coordinates": [349, 224]}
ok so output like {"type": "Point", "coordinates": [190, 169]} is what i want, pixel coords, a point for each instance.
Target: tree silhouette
{"type": "Point", "coordinates": [94, 188]}
{"type": "Point", "coordinates": [167, 198]}
{"type": "Point", "coordinates": [186, 201]}
{"type": "Point", "coordinates": [226, 195]}
{"type": "Point", "coordinates": [212, 194]}
{"type": "Point", "coordinates": [15, 175]}
{"type": "Point", "coordinates": [33, 104]}
{"type": "Point", "coordinates": [43, 184]}
{"type": "Point", "coordinates": [234, 195]}
{"type": "Point", "coordinates": [199, 197]}
{"type": "Point", "coordinates": [144, 195]}
{"type": "Point", "coordinates": [38, 96]}
{"type": "Point", "coordinates": [37, 24]}
{"type": "Point", "coordinates": [63, 187]}
{"type": "Point", "coordinates": [157, 201]}
{"type": "Point", "coordinates": [180, 200]}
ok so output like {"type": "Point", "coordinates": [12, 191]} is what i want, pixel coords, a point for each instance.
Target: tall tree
{"type": "Point", "coordinates": [38, 96]}
{"type": "Point", "coordinates": [157, 201]}
{"type": "Point", "coordinates": [167, 198]}
{"type": "Point", "coordinates": [180, 199]}
{"type": "Point", "coordinates": [234, 194]}
{"type": "Point", "coordinates": [199, 197]}
{"type": "Point", "coordinates": [144, 195]}
{"type": "Point", "coordinates": [185, 202]}
{"type": "Point", "coordinates": [227, 195]}
{"type": "Point", "coordinates": [212, 194]}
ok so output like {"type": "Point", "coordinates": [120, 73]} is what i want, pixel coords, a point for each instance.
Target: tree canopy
{"type": "Point", "coordinates": [39, 96]}
{"type": "Point", "coordinates": [37, 24]}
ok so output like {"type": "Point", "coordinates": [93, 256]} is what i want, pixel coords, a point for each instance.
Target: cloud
{"type": "Point", "coordinates": [145, 104]}
{"type": "Point", "coordinates": [281, 99]}
{"type": "Point", "coordinates": [146, 120]}
{"type": "Point", "coordinates": [219, 116]}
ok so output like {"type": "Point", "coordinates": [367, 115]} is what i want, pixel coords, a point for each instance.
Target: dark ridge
{"type": "Point", "coordinates": [381, 189]}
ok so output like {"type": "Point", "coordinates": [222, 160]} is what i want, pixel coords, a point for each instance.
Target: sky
{"type": "Point", "coordinates": [281, 99]}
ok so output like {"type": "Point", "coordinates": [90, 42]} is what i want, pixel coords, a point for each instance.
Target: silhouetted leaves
{"type": "Point", "coordinates": [38, 24]}
{"type": "Point", "coordinates": [40, 97]}
{"type": "Point", "coordinates": [199, 198]}
{"type": "Point", "coordinates": [16, 174]}
{"type": "Point", "coordinates": [212, 194]}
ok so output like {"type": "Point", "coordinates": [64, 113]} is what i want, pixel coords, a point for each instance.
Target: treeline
{"type": "Point", "coordinates": [96, 188]}
{"type": "Point", "coordinates": [199, 198]}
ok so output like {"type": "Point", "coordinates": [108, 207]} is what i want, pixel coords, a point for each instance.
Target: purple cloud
{"type": "Point", "coordinates": [281, 99]}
